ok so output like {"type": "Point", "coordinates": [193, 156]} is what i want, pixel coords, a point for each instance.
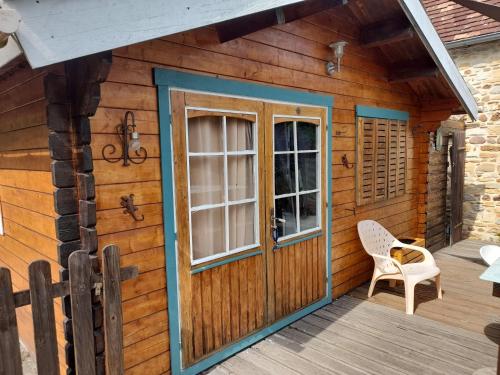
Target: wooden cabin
{"type": "Point", "coordinates": [229, 151]}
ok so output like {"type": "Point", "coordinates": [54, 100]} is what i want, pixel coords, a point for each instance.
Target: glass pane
{"type": "Point", "coordinates": [284, 174]}
{"type": "Point", "coordinates": [306, 136]}
{"type": "Point", "coordinates": [205, 134]}
{"type": "Point", "coordinates": [208, 232]}
{"type": "Point", "coordinates": [241, 225]}
{"type": "Point", "coordinates": [240, 177]}
{"type": "Point", "coordinates": [283, 136]}
{"type": "Point", "coordinates": [206, 176]}
{"type": "Point", "coordinates": [307, 171]}
{"type": "Point", "coordinates": [308, 209]}
{"type": "Point", "coordinates": [286, 216]}
{"type": "Point", "coordinates": [239, 134]}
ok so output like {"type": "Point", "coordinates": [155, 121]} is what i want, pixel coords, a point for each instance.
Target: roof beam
{"type": "Point", "coordinates": [377, 39]}
{"type": "Point", "coordinates": [387, 32]}
{"type": "Point", "coordinates": [489, 10]}
{"type": "Point", "coordinates": [413, 73]}
{"type": "Point", "coordinates": [241, 26]}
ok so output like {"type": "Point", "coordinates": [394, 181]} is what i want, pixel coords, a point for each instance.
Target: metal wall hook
{"type": "Point", "coordinates": [127, 202]}
{"type": "Point", "coordinates": [345, 162]}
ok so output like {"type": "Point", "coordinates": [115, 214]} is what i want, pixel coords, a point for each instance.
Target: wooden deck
{"type": "Point", "coordinates": [467, 301]}
{"type": "Point", "coordinates": [354, 335]}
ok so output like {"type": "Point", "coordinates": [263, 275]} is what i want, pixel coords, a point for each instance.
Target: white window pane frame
{"type": "Point", "coordinates": [225, 153]}
{"type": "Point", "coordinates": [297, 192]}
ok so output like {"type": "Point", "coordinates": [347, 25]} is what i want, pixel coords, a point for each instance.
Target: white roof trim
{"type": "Point", "coordinates": [52, 31]}
{"type": "Point", "coordinates": [434, 45]}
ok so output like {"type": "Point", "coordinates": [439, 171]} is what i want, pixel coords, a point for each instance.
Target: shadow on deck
{"type": "Point", "coordinates": [356, 335]}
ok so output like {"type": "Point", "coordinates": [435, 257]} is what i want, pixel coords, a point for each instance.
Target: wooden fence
{"type": "Point", "coordinates": [82, 280]}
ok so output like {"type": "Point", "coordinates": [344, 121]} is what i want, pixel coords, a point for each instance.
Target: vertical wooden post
{"type": "Point", "coordinates": [42, 310]}
{"type": "Point", "coordinates": [10, 355]}
{"type": "Point", "coordinates": [113, 320]}
{"type": "Point", "coordinates": [80, 273]}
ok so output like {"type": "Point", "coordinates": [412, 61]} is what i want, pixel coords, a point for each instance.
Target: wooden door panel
{"type": "Point", "coordinates": [227, 304]}
{"type": "Point", "coordinates": [299, 275]}
{"type": "Point", "coordinates": [296, 273]}
{"type": "Point", "coordinates": [227, 296]}
{"type": "Point", "coordinates": [457, 152]}
{"type": "Point", "coordinates": [222, 299]}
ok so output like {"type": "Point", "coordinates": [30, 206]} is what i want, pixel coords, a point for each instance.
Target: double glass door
{"type": "Point", "coordinates": [250, 215]}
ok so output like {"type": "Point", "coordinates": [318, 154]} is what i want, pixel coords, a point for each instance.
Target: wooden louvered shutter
{"type": "Point", "coordinates": [365, 161]}
{"type": "Point", "coordinates": [393, 160]}
{"type": "Point", "coordinates": [401, 172]}
{"type": "Point", "coordinates": [381, 160]}
{"type": "Point", "coordinates": [380, 180]}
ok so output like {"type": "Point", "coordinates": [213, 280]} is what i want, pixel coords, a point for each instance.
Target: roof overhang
{"type": "Point", "coordinates": [434, 45]}
{"type": "Point", "coordinates": [53, 31]}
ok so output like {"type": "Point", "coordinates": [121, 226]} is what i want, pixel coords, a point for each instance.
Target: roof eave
{"type": "Point", "coordinates": [434, 45]}
{"type": "Point", "coordinates": [473, 41]}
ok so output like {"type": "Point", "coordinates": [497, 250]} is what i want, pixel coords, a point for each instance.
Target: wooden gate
{"type": "Point", "coordinates": [457, 157]}
{"type": "Point", "coordinates": [82, 279]}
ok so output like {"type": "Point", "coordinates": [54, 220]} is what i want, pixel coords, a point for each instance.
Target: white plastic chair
{"type": "Point", "coordinates": [378, 243]}
{"type": "Point", "coordinates": [490, 253]}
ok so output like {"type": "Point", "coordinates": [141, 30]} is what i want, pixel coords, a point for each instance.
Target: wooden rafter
{"type": "Point", "coordinates": [380, 39]}
{"type": "Point", "coordinates": [406, 75]}
{"type": "Point", "coordinates": [245, 25]}
{"type": "Point", "coordinates": [386, 32]}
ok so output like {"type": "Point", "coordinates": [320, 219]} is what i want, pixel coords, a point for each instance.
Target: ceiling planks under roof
{"type": "Point", "coordinates": [407, 58]}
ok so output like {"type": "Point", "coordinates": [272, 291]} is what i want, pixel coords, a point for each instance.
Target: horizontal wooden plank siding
{"type": "Point", "coordinates": [26, 189]}
{"type": "Point", "coordinates": [291, 56]}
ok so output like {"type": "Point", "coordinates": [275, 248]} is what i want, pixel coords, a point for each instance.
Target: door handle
{"type": "Point", "coordinates": [274, 226]}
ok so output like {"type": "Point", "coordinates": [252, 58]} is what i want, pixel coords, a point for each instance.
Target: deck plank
{"type": "Point", "coordinates": [355, 335]}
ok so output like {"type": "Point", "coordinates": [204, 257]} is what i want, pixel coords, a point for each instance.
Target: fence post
{"type": "Point", "coordinates": [9, 337]}
{"type": "Point", "coordinates": [113, 320]}
{"type": "Point", "coordinates": [80, 274]}
{"type": "Point", "coordinates": [42, 310]}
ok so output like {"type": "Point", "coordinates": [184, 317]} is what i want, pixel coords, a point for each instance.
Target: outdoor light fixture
{"type": "Point", "coordinates": [338, 52]}
{"type": "Point", "coordinates": [130, 141]}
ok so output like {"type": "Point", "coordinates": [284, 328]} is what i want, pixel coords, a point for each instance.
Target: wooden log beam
{"type": "Point", "coordinates": [241, 26]}
{"type": "Point", "coordinates": [406, 75]}
{"type": "Point", "coordinates": [388, 36]}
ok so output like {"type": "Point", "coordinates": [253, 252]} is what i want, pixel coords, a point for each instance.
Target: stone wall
{"type": "Point", "coordinates": [480, 65]}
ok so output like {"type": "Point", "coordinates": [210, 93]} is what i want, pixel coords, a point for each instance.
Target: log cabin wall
{"type": "Point", "coordinates": [26, 189]}
{"type": "Point", "coordinates": [291, 55]}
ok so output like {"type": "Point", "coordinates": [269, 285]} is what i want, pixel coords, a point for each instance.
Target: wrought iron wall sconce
{"type": "Point", "coordinates": [345, 162]}
{"type": "Point", "coordinates": [129, 137]}
{"type": "Point", "coordinates": [127, 202]}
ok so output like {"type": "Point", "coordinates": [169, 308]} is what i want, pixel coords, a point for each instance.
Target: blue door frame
{"type": "Point", "coordinates": [167, 79]}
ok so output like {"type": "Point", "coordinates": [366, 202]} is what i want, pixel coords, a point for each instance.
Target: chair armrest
{"type": "Point", "coordinates": [394, 261]}
{"type": "Point", "coordinates": [428, 258]}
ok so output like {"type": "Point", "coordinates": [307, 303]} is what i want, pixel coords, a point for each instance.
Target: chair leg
{"type": "Point", "coordinates": [409, 297]}
{"type": "Point", "coordinates": [372, 285]}
{"type": "Point", "coordinates": [438, 286]}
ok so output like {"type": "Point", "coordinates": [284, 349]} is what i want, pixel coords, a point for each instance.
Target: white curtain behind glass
{"type": "Point", "coordinates": [207, 184]}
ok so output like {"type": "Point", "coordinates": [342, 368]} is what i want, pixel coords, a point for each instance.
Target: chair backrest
{"type": "Point", "coordinates": [376, 240]}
